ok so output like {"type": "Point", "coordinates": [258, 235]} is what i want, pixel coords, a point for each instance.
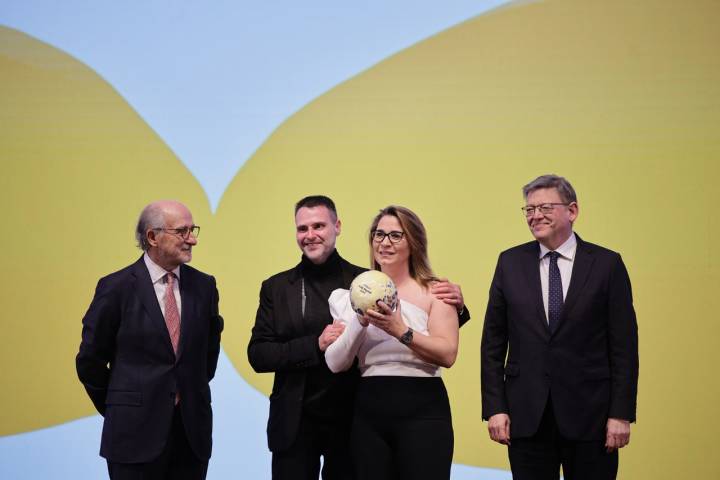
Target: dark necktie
{"type": "Point", "coordinates": [555, 292]}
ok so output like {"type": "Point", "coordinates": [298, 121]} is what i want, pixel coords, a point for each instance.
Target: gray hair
{"type": "Point", "coordinates": [566, 191]}
{"type": "Point", "coordinates": [152, 216]}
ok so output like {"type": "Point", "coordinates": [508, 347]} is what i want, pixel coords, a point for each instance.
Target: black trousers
{"type": "Point", "coordinates": [402, 429]}
{"type": "Point", "coordinates": [540, 456]}
{"type": "Point", "coordinates": [317, 437]}
{"type": "Point", "coordinates": [176, 462]}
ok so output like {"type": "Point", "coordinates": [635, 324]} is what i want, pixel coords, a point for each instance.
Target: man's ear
{"type": "Point", "coordinates": [151, 236]}
{"type": "Point", "coordinates": [338, 226]}
{"type": "Point", "coordinates": [574, 210]}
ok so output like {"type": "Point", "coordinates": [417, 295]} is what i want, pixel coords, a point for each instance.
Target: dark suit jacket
{"type": "Point", "coordinates": [283, 344]}
{"type": "Point", "coordinates": [588, 366]}
{"type": "Point", "coordinates": [127, 364]}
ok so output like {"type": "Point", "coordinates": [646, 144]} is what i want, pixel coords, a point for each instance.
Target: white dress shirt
{"type": "Point", "coordinates": [565, 264]}
{"type": "Point", "coordinates": [157, 276]}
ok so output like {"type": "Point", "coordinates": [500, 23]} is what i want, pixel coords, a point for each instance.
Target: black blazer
{"type": "Point", "coordinates": [127, 364]}
{"type": "Point", "coordinates": [589, 365]}
{"type": "Point", "coordinates": [283, 344]}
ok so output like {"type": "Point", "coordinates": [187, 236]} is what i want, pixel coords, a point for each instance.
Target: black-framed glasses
{"type": "Point", "coordinates": [379, 235]}
{"type": "Point", "coordinates": [182, 232]}
{"type": "Point", "coordinates": [545, 208]}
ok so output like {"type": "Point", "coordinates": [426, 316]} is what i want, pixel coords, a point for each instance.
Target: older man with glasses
{"type": "Point", "coordinates": [150, 346]}
{"type": "Point", "coordinates": [559, 347]}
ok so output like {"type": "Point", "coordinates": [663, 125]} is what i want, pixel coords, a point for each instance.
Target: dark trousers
{"type": "Point", "coordinates": [317, 437]}
{"type": "Point", "coordinates": [402, 429]}
{"type": "Point", "coordinates": [176, 462]}
{"type": "Point", "coordinates": [540, 456]}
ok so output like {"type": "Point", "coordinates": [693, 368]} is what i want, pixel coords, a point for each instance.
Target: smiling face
{"type": "Point", "coordinates": [551, 229]}
{"type": "Point", "coordinates": [387, 253]}
{"type": "Point", "coordinates": [316, 230]}
{"type": "Point", "coordinates": [167, 248]}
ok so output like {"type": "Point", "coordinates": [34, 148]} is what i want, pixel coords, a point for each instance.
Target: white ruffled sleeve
{"type": "Point", "coordinates": [340, 355]}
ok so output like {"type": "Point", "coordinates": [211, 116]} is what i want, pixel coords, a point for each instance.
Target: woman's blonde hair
{"type": "Point", "coordinates": [416, 237]}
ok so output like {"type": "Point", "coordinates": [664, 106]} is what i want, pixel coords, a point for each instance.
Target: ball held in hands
{"type": "Point", "coordinates": [370, 287]}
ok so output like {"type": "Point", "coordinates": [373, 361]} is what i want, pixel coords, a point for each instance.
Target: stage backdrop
{"type": "Point", "coordinates": [240, 108]}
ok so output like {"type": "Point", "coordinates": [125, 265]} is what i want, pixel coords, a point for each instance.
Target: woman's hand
{"type": "Point", "coordinates": [387, 320]}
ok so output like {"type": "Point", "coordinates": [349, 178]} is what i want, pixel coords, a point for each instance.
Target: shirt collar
{"type": "Point", "coordinates": [156, 271]}
{"type": "Point", "coordinates": [566, 250]}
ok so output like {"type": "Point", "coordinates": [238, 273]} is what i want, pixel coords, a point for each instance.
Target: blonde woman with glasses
{"type": "Point", "coordinates": [402, 428]}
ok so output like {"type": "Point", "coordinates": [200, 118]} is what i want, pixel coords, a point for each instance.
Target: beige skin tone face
{"type": "Point", "coordinates": [316, 232]}
{"type": "Point", "coordinates": [388, 254]}
{"type": "Point", "coordinates": [551, 229]}
{"type": "Point", "coordinates": [169, 249]}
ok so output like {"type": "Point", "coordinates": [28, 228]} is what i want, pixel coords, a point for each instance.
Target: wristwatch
{"type": "Point", "coordinates": [406, 338]}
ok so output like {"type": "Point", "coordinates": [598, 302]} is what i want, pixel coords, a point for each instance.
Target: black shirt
{"type": "Point", "coordinates": [321, 397]}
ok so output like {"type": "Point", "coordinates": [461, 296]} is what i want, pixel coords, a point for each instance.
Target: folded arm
{"type": "Point", "coordinates": [341, 354]}
{"type": "Point", "coordinates": [269, 350]}
{"type": "Point", "coordinates": [439, 346]}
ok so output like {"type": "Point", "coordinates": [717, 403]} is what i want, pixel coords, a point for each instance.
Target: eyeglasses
{"type": "Point", "coordinates": [545, 208]}
{"type": "Point", "coordinates": [395, 236]}
{"type": "Point", "coordinates": [183, 232]}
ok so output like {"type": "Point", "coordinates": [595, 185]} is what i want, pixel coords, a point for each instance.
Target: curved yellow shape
{"type": "Point", "coordinates": [78, 164]}
{"type": "Point", "coordinates": [621, 97]}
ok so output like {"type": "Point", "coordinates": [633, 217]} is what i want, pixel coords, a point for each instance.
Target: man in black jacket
{"type": "Point", "coordinates": [150, 345]}
{"type": "Point", "coordinates": [561, 311]}
{"type": "Point", "coordinates": [310, 407]}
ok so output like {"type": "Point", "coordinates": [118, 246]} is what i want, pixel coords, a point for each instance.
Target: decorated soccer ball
{"type": "Point", "coordinates": [370, 287]}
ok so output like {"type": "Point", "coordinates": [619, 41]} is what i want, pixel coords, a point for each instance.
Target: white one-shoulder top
{"type": "Point", "coordinates": [378, 353]}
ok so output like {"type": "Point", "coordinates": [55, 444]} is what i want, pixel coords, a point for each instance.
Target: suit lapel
{"type": "Point", "coordinates": [531, 265]}
{"type": "Point", "coordinates": [146, 292]}
{"type": "Point", "coordinates": [582, 265]}
{"type": "Point", "coordinates": [294, 299]}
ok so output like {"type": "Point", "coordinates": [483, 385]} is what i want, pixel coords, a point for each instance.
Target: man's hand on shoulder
{"type": "Point", "coordinates": [499, 428]}
{"type": "Point", "coordinates": [330, 334]}
{"type": "Point", "coordinates": [617, 434]}
{"type": "Point", "coordinates": [449, 293]}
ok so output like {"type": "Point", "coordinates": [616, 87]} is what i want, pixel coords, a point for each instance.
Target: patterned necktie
{"type": "Point", "coordinates": [172, 316]}
{"type": "Point", "coordinates": [555, 292]}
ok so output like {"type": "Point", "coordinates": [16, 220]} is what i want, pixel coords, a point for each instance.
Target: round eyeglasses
{"type": "Point", "coordinates": [545, 208]}
{"type": "Point", "coordinates": [379, 235]}
{"type": "Point", "coordinates": [182, 232]}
